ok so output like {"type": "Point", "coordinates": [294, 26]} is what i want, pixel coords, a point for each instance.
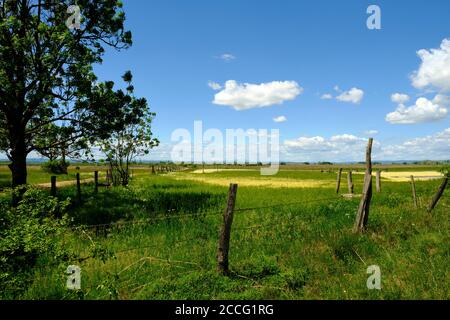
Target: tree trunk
{"type": "Point", "coordinates": [18, 165]}
{"type": "Point", "coordinates": [18, 169]}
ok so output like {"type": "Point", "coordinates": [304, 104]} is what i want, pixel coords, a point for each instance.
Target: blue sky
{"type": "Point", "coordinates": [179, 46]}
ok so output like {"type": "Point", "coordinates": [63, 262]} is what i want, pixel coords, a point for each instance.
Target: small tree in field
{"type": "Point", "coordinates": [123, 146]}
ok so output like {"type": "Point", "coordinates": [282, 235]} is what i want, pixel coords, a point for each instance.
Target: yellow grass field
{"type": "Point", "coordinates": [404, 176]}
{"type": "Point", "coordinates": [267, 182]}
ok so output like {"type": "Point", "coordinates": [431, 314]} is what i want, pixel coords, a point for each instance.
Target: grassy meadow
{"type": "Point", "coordinates": [291, 238]}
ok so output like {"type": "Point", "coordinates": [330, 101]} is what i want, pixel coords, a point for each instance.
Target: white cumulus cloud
{"type": "Point", "coordinates": [354, 95]}
{"type": "Point", "coordinates": [326, 96]}
{"type": "Point", "coordinates": [346, 138]}
{"type": "Point", "coordinates": [343, 147]}
{"type": "Point", "coordinates": [399, 98]}
{"type": "Point", "coordinates": [432, 147]}
{"type": "Point", "coordinates": [214, 85]}
{"type": "Point", "coordinates": [309, 144]}
{"type": "Point", "coordinates": [247, 96]}
{"type": "Point", "coordinates": [434, 71]}
{"type": "Point", "coordinates": [347, 147]}
{"type": "Point", "coordinates": [424, 110]}
{"type": "Point", "coordinates": [441, 100]}
{"type": "Point", "coordinates": [280, 119]}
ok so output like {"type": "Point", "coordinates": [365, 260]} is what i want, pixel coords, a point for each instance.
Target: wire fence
{"type": "Point", "coordinates": [208, 240]}
{"type": "Point", "coordinates": [159, 253]}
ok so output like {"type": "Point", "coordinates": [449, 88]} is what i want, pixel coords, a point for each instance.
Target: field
{"type": "Point", "coordinates": [291, 238]}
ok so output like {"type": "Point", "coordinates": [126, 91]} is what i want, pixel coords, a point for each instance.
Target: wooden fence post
{"type": "Point", "coordinates": [225, 232]}
{"type": "Point", "coordinates": [338, 182]}
{"type": "Point", "coordinates": [350, 182]}
{"type": "Point", "coordinates": [438, 194]}
{"type": "Point", "coordinates": [413, 186]}
{"type": "Point", "coordinates": [53, 186]}
{"type": "Point", "coordinates": [364, 206]}
{"type": "Point", "coordinates": [378, 180]}
{"type": "Point", "coordinates": [95, 182]}
{"type": "Point", "coordinates": [153, 170]}
{"type": "Point", "coordinates": [78, 187]}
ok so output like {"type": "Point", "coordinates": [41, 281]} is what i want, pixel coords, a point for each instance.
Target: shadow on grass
{"type": "Point", "coordinates": [123, 204]}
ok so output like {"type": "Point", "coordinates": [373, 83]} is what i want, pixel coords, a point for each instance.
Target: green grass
{"type": "Point", "coordinates": [302, 250]}
{"type": "Point", "coordinates": [37, 176]}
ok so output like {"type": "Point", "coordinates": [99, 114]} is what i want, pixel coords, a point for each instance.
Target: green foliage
{"type": "Point", "coordinates": [172, 202]}
{"type": "Point", "coordinates": [135, 139]}
{"type": "Point", "coordinates": [258, 267]}
{"type": "Point", "coordinates": [47, 83]}
{"type": "Point", "coordinates": [29, 233]}
{"type": "Point", "coordinates": [445, 170]}
{"type": "Point", "coordinates": [56, 166]}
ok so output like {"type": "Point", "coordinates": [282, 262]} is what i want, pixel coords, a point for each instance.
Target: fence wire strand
{"type": "Point", "coordinates": [202, 214]}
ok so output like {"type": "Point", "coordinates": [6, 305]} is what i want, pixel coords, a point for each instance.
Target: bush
{"type": "Point", "coordinates": [28, 233]}
{"type": "Point", "coordinates": [446, 170]}
{"type": "Point", "coordinates": [56, 166]}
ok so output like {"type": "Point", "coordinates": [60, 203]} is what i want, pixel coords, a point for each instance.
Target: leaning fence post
{"type": "Point", "coordinates": [378, 180]}
{"type": "Point", "coordinates": [95, 182]}
{"type": "Point", "coordinates": [413, 187]}
{"type": "Point", "coordinates": [363, 210]}
{"type": "Point", "coordinates": [350, 182]}
{"type": "Point", "coordinates": [78, 187]}
{"type": "Point", "coordinates": [438, 194]}
{"type": "Point", "coordinates": [338, 182]}
{"type": "Point", "coordinates": [53, 186]}
{"type": "Point", "coordinates": [225, 231]}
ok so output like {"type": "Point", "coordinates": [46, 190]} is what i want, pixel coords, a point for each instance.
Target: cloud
{"type": "Point", "coordinates": [247, 96]}
{"type": "Point", "coordinates": [214, 85]}
{"type": "Point", "coordinates": [343, 147]}
{"type": "Point", "coordinates": [326, 96]}
{"type": "Point", "coordinates": [423, 111]}
{"type": "Point", "coordinates": [370, 132]}
{"type": "Point", "coordinates": [399, 98]}
{"type": "Point", "coordinates": [309, 144]}
{"type": "Point", "coordinates": [431, 147]}
{"type": "Point", "coordinates": [347, 147]}
{"type": "Point", "coordinates": [227, 57]}
{"type": "Point", "coordinates": [442, 100]}
{"type": "Point", "coordinates": [354, 95]}
{"type": "Point", "coordinates": [346, 138]}
{"type": "Point", "coordinates": [434, 71]}
{"type": "Point", "coordinates": [280, 119]}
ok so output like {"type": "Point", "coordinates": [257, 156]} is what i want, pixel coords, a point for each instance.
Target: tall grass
{"type": "Point", "coordinates": [164, 242]}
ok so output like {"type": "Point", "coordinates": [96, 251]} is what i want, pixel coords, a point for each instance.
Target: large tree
{"type": "Point", "coordinates": [47, 79]}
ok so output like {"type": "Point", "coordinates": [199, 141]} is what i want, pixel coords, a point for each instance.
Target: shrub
{"type": "Point", "coordinates": [56, 166]}
{"type": "Point", "coordinates": [28, 233]}
{"type": "Point", "coordinates": [445, 169]}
